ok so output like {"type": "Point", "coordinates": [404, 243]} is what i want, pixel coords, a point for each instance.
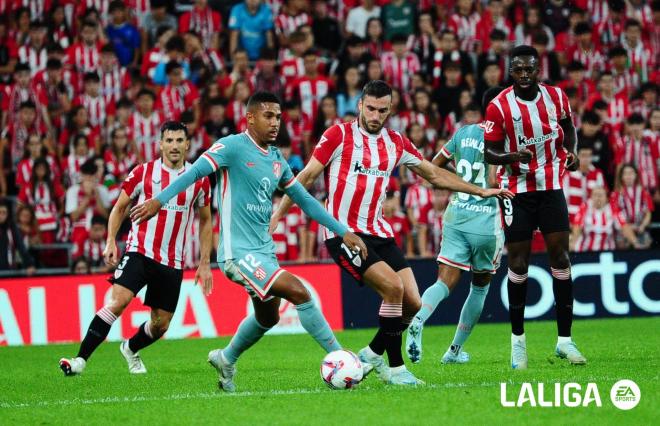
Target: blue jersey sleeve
{"type": "Point", "coordinates": [234, 17]}
{"type": "Point", "coordinates": [313, 208]}
{"type": "Point", "coordinates": [287, 177]}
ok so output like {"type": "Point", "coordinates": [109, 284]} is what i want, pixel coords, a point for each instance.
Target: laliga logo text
{"type": "Point", "coordinates": [563, 395]}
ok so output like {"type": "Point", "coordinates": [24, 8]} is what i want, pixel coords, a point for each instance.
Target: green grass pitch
{"type": "Point", "coordinates": [278, 382]}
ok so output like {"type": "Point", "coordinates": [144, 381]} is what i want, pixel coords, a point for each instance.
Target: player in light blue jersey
{"type": "Point", "coordinates": [248, 171]}
{"type": "Point", "coordinates": [472, 239]}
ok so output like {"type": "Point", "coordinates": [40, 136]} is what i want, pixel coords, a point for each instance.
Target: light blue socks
{"type": "Point", "coordinates": [314, 322]}
{"type": "Point", "coordinates": [430, 300]}
{"type": "Point", "coordinates": [470, 314]}
{"type": "Point", "coordinates": [248, 333]}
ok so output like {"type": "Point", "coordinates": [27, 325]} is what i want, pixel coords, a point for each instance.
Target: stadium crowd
{"type": "Point", "coordinates": [85, 86]}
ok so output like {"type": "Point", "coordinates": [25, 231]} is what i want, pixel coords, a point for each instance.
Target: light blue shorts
{"type": "Point", "coordinates": [257, 272]}
{"type": "Point", "coordinates": [479, 253]}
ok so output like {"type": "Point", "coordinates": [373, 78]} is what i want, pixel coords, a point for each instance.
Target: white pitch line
{"type": "Point", "coordinates": [218, 395]}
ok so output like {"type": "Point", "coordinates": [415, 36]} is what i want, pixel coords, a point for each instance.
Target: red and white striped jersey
{"type": "Point", "coordinates": [533, 125]}
{"type": "Point", "coordinates": [592, 59]}
{"type": "Point", "coordinates": [101, 6]}
{"type": "Point", "coordinates": [400, 121]}
{"type": "Point", "coordinates": [205, 23]}
{"type": "Point", "coordinates": [285, 24]}
{"type": "Point", "coordinates": [578, 187]}
{"type": "Point", "coordinates": [115, 83]}
{"type": "Point", "coordinates": [297, 130]}
{"type": "Point", "coordinates": [24, 170]}
{"type": "Point", "coordinates": [43, 200]}
{"type": "Point", "coordinates": [35, 58]}
{"type": "Point", "coordinates": [465, 28]}
{"type": "Point", "coordinates": [642, 154]}
{"type": "Point", "coordinates": [291, 67]}
{"type": "Point", "coordinates": [626, 82]}
{"type": "Point", "coordinates": [140, 9]}
{"type": "Point", "coordinates": [116, 167]}
{"type": "Point", "coordinates": [598, 226]}
{"type": "Point", "coordinates": [173, 100]}
{"type": "Point", "coordinates": [92, 250]}
{"type": "Point", "coordinates": [399, 71]}
{"type": "Point", "coordinates": [309, 91]}
{"type": "Point", "coordinates": [597, 10]}
{"type": "Point", "coordinates": [74, 194]}
{"type": "Point", "coordinates": [163, 237]}
{"type": "Point", "coordinates": [358, 168]}
{"type": "Point", "coordinates": [235, 111]}
{"type": "Point", "coordinates": [432, 218]}
{"type": "Point", "coordinates": [617, 108]}
{"type": "Point", "coordinates": [17, 135]}
{"type": "Point", "coordinates": [609, 32]}
{"type": "Point", "coordinates": [439, 57]}
{"type": "Point", "coordinates": [13, 95]}
{"type": "Point", "coordinates": [145, 132]}
{"type": "Point", "coordinates": [640, 58]}
{"type": "Point", "coordinates": [37, 8]}
{"type": "Point", "coordinates": [97, 107]}
{"type": "Point", "coordinates": [418, 199]}
{"type": "Point", "coordinates": [634, 203]}
{"type": "Point", "coordinates": [640, 107]}
{"type": "Point", "coordinates": [150, 61]}
{"type": "Point", "coordinates": [71, 167]}
{"type": "Point", "coordinates": [84, 58]}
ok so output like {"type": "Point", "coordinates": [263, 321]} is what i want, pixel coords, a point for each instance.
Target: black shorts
{"type": "Point", "coordinates": [526, 212]}
{"type": "Point", "coordinates": [163, 283]}
{"type": "Point", "coordinates": [379, 249]}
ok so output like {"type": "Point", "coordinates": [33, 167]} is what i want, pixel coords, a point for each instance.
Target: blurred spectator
{"type": "Point", "coordinates": [355, 54]}
{"type": "Point", "coordinates": [350, 92]}
{"type": "Point", "coordinates": [646, 101]}
{"type": "Point", "coordinates": [288, 236]}
{"type": "Point", "coordinates": [418, 199]}
{"type": "Point", "coordinates": [492, 18]}
{"type": "Point", "coordinates": [585, 51]}
{"type": "Point", "coordinates": [637, 149]}
{"type": "Point", "coordinates": [34, 149]}
{"type": "Point", "coordinates": [579, 184]}
{"type": "Point", "coordinates": [78, 155]}
{"type": "Point", "coordinates": [555, 15]}
{"type": "Point", "coordinates": [635, 204]}
{"type": "Point", "coordinates": [550, 70]}
{"type": "Point", "coordinates": [13, 253]}
{"type": "Point", "coordinates": [594, 226]}
{"type": "Point", "coordinates": [78, 124]}
{"type": "Point", "coordinates": [616, 104]}
{"type": "Point", "coordinates": [578, 81]}
{"type": "Point", "coordinates": [26, 222]}
{"type": "Point", "coordinates": [217, 124]}
{"type": "Point", "coordinates": [119, 158]}
{"type": "Point", "coordinates": [532, 24]}
{"type": "Point", "coordinates": [463, 22]}
{"type": "Point", "coordinates": [447, 96]}
{"type": "Point", "coordinates": [22, 90]}
{"type": "Point", "coordinates": [8, 50]}
{"type": "Point", "coordinates": [21, 26]}
{"type": "Point", "coordinates": [398, 221]}
{"type": "Point", "coordinates": [398, 17]}
{"type": "Point", "coordinates": [157, 53]}
{"type": "Point", "coordinates": [93, 246]}
{"type": "Point", "coordinates": [299, 127]}
{"type": "Point", "coordinates": [84, 201]}
{"type": "Point", "coordinates": [590, 135]}
{"type": "Point", "coordinates": [496, 53]}
{"type": "Point", "coordinates": [34, 52]}
{"type": "Point", "coordinates": [154, 20]}
{"type": "Point", "coordinates": [356, 21]}
{"type": "Point", "coordinates": [425, 114]}
{"type": "Point", "coordinates": [639, 54]}
{"type": "Point", "coordinates": [175, 51]}
{"type": "Point", "coordinates": [566, 39]}
{"type": "Point", "coordinates": [81, 266]}
{"type": "Point", "coordinates": [431, 221]}
{"type": "Point", "coordinates": [144, 126]}
{"type": "Point", "coordinates": [400, 64]}
{"type": "Point", "coordinates": [101, 112]}
{"type": "Point", "coordinates": [60, 86]}
{"type": "Point", "coordinates": [292, 15]}
{"type": "Point", "coordinates": [310, 88]}
{"type": "Point", "coordinates": [114, 77]}
{"type": "Point", "coordinates": [123, 36]}
{"type": "Point", "coordinates": [199, 139]}
{"type": "Point", "coordinates": [326, 117]}
{"type": "Point", "coordinates": [327, 31]}
{"type": "Point", "coordinates": [609, 18]}
{"type": "Point", "coordinates": [240, 71]}
{"type": "Point", "coordinates": [448, 54]}
{"type": "Point", "coordinates": [418, 136]}
{"type": "Point", "coordinates": [266, 77]}
{"type": "Point", "coordinates": [490, 77]}
{"type": "Point", "coordinates": [204, 21]}
{"type": "Point", "coordinates": [46, 196]}
{"type": "Point", "coordinates": [626, 80]}
{"type": "Point", "coordinates": [178, 95]}
{"type": "Point", "coordinates": [84, 55]}
{"type": "Point", "coordinates": [251, 27]}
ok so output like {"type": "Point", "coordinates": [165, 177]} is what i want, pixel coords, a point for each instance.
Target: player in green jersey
{"type": "Point", "coordinates": [249, 169]}
{"type": "Point", "coordinates": [472, 239]}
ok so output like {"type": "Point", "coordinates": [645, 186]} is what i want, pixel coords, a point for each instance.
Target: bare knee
{"type": "Point", "coordinates": [519, 265]}
{"type": "Point", "coordinates": [160, 322]}
{"type": "Point", "coordinates": [481, 280]}
{"type": "Point", "coordinates": [412, 306]}
{"type": "Point", "coordinates": [118, 303]}
{"type": "Point", "coordinates": [269, 320]}
{"type": "Point", "coordinates": [560, 259]}
{"type": "Point", "coordinates": [392, 289]}
{"type": "Point", "coordinates": [449, 276]}
{"type": "Point", "coordinates": [298, 294]}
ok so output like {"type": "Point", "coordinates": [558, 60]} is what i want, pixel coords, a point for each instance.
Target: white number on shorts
{"type": "Point", "coordinates": [466, 169]}
{"type": "Point", "coordinates": [508, 207]}
{"type": "Point", "coordinates": [249, 262]}
{"type": "Point", "coordinates": [123, 262]}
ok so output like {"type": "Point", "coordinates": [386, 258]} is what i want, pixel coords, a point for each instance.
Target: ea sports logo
{"type": "Point", "coordinates": [625, 394]}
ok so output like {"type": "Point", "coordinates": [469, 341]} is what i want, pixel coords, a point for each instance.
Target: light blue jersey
{"type": "Point", "coordinates": [247, 177]}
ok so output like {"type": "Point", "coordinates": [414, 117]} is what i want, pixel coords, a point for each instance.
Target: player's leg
{"type": "Point", "coordinates": [126, 284]}
{"type": "Point", "coordinates": [555, 228]}
{"type": "Point", "coordinates": [454, 257]}
{"type": "Point", "coordinates": [163, 288]}
{"type": "Point", "coordinates": [252, 328]}
{"type": "Point", "coordinates": [486, 253]}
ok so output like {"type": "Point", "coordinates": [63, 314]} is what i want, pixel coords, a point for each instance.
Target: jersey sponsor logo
{"type": "Point", "coordinates": [361, 170]}
{"type": "Point", "coordinates": [263, 194]}
{"type": "Point", "coordinates": [277, 168]}
{"type": "Point", "coordinates": [487, 126]}
{"type": "Point", "coordinates": [523, 141]}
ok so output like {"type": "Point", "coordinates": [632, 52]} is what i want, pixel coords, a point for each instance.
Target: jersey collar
{"type": "Point", "coordinates": [263, 151]}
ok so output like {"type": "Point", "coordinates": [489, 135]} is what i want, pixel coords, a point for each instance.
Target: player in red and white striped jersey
{"type": "Point", "coordinates": [400, 64]}
{"type": "Point", "coordinates": [154, 251]}
{"type": "Point", "coordinates": [178, 95]}
{"type": "Point", "coordinates": [310, 88]}
{"type": "Point", "coordinates": [144, 125]}
{"type": "Point", "coordinates": [529, 131]}
{"type": "Point", "coordinates": [101, 112]}
{"type": "Point", "coordinates": [34, 53]}
{"type": "Point", "coordinates": [578, 184]}
{"type": "Point", "coordinates": [358, 158]}
{"type": "Point", "coordinates": [595, 224]}
{"type": "Point", "coordinates": [115, 79]}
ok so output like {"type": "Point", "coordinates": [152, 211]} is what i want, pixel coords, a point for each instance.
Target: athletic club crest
{"type": "Point", "coordinates": [277, 168]}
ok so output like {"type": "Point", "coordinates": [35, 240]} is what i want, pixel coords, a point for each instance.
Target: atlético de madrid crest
{"type": "Point", "coordinates": [277, 168]}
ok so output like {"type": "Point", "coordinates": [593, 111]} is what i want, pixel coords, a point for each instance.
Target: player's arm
{"type": "Point", "coordinates": [570, 143]}
{"type": "Point", "coordinates": [315, 210]}
{"type": "Point", "coordinates": [444, 179]}
{"type": "Point", "coordinates": [203, 274]}
{"type": "Point", "coordinates": [306, 178]}
{"type": "Point", "coordinates": [202, 167]}
{"type": "Point", "coordinates": [117, 215]}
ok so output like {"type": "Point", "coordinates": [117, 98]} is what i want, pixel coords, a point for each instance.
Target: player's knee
{"type": "Point", "coordinates": [412, 306]}
{"type": "Point", "coordinates": [298, 294]}
{"type": "Point", "coordinates": [159, 326]}
{"type": "Point", "coordinates": [518, 265]}
{"type": "Point", "coordinates": [268, 321]}
{"type": "Point", "coordinates": [118, 304]}
{"type": "Point", "coordinates": [481, 280]}
{"type": "Point", "coordinates": [560, 260]}
{"type": "Point", "coordinates": [393, 288]}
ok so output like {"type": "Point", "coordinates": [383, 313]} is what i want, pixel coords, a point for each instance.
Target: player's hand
{"type": "Point", "coordinates": [500, 193]}
{"type": "Point", "coordinates": [205, 277]}
{"type": "Point", "coordinates": [356, 244]}
{"type": "Point", "coordinates": [145, 211]}
{"type": "Point", "coordinates": [273, 223]}
{"type": "Point", "coordinates": [525, 156]}
{"type": "Point", "coordinates": [572, 162]}
{"type": "Point", "coordinates": [110, 253]}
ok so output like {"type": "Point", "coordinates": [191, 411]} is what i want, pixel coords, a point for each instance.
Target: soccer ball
{"type": "Point", "coordinates": [341, 369]}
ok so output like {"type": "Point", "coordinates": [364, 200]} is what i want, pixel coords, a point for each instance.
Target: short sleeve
{"type": "Point", "coordinates": [619, 218]}
{"type": "Point", "coordinates": [287, 178]}
{"type": "Point", "coordinates": [493, 125]}
{"type": "Point", "coordinates": [132, 185]}
{"type": "Point", "coordinates": [410, 155]}
{"type": "Point", "coordinates": [449, 149]}
{"type": "Point", "coordinates": [329, 146]}
{"type": "Point", "coordinates": [233, 18]}
{"type": "Point", "coordinates": [219, 154]}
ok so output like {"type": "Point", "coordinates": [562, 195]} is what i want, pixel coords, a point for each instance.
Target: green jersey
{"type": "Point", "coordinates": [471, 213]}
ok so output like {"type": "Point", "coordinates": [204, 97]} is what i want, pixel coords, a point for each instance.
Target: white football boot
{"type": "Point", "coordinates": [135, 364]}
